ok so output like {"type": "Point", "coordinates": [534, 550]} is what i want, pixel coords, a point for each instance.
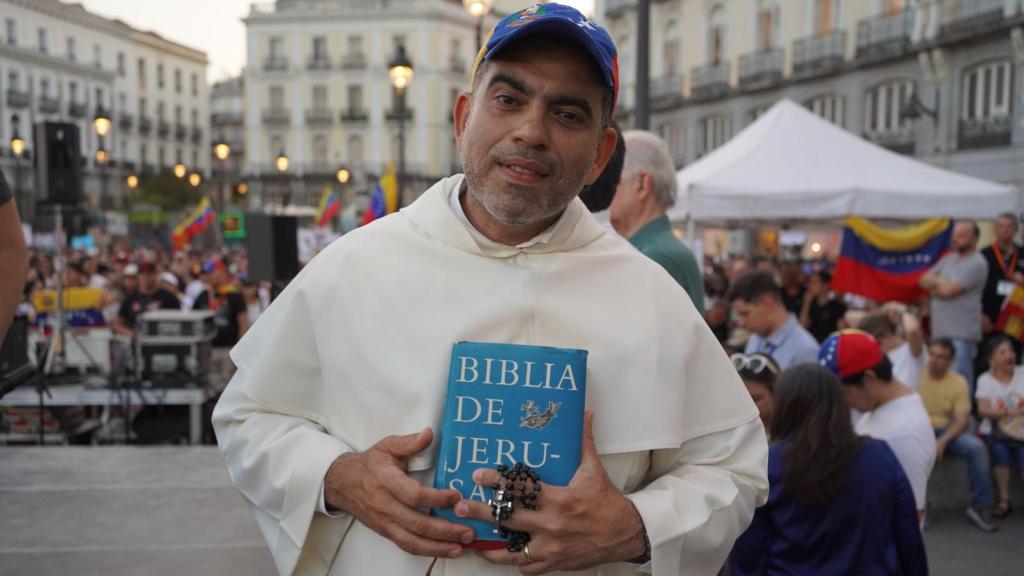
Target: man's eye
{"type": "Point", "coordinates": [569, 116]}
{"type": "Point", "coordinates": [505, 99]}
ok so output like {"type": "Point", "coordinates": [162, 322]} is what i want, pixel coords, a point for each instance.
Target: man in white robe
{"type": "Point", "coordinates": [324, 425]}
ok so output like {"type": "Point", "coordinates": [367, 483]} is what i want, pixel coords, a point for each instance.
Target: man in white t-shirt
{"type": "Point", "coordinates": [892, 411]}
{"type": "Point", "coordinates": [899, 334]}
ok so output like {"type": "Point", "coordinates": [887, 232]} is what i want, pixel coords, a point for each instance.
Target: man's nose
{"type": "Point", "coordinates": [532, 129]}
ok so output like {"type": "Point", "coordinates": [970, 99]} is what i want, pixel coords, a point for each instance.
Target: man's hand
{"type": "Point", "coordinates": [374, 487]}
{"type": "Point", "coordinates": [940, 449]}
{"type": "Point", "coordinates": [586, 523]}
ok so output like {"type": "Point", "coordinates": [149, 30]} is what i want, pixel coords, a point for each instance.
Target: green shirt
{"type": "Point", "coordinates": [656, 241]}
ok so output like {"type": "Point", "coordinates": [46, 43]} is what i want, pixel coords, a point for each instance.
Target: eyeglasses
{"type": "Point", "coordinates": [755, 363]}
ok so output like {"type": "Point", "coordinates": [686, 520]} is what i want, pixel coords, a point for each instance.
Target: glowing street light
{"type": "Point", "coordinates": [132, 181]}
{"type": "Point", "coordinates": [195, 179]}
{"type": "Point", "coordinates": [222, 151]}
{"type": "Point", "coordinates": [281, 162]}
{"type": "Point", "coordinates": [343, 175]}
{"type": "Point", "coordinates": [180, 170]}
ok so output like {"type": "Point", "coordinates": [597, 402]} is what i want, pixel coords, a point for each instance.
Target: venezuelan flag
{"type": "Point", "coordinates": [885, 265]}
{"type": "Point", "coordinates": [329, 207]}
{"type": "Point", "coordinates": [1011, 317]}
{"type": "Point", "coordinates": [197, 221]}
{"type": "Point", "coordinates": [388, 183]}
{"type": "Point", "coordinates": [377, 208]}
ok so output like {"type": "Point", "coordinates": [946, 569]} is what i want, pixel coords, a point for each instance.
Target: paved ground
{"type": "Point", "coordinates": [172, 511]}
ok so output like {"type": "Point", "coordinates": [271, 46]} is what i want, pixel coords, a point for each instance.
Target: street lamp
{"type": "Point", "coordinates": [478, 9]}
{"type": "Point", "coordinates": [101, 123]}
{"type": "Point", "coordinates": [18, 149]}
{"type": "Point", "coordinates": [401, 76]}
{"type": "Point", "coordinates": [132, 181]}
{"type": "Point", "coordinates": [179, 170]}
{"type": "Point", "coordinates": [195, 179]}
{"type": "Point", "coordinates": [343, 175]}
{"type": "Point", "coordinates": [222, 151]}
{"type": "Point", "coordinates": [281, 163]}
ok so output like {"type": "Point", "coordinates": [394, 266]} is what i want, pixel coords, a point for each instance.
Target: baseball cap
{"type": "Point", "coordinates": [849, 352]}
{"type": "Point", "coordinates": [559, 20]}
{"type": "Point", "coordinates": [169, 278]}
{"type": "Point", "coordinates": [213, 264]}
{"type": "Point", "coordinates": [130, 270]}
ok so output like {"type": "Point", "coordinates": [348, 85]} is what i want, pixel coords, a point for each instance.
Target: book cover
{"type": "Point", "coordinates": [509, 403]}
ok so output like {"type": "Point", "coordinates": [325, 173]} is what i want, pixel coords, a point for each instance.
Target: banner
{"type": "Point", "coordinates": [885, 265]}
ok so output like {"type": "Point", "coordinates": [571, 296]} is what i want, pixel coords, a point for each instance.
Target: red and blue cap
{"type": "Point", "coordinates": [559, 20]}
{"type": "Point", "coordinates": [849, 352]}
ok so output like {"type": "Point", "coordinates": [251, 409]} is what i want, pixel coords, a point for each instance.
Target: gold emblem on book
{"type": "Point", "coordinates": [534, 418]}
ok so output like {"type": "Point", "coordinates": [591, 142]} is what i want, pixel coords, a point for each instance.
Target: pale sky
{"type": "Point", "coordinates": [213, 26]}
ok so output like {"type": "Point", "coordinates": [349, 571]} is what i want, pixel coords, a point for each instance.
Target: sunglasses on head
{"type": "Point", "coordinates": [754, 363]}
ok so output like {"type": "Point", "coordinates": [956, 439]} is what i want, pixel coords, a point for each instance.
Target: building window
{"type": "Point", "coordinates": [97, 55]}
{"type": "Point", "coordinates": [276, 48]}
{"type": "Point", "coordinates": [100, 99]}
{"type": "Point", "coordinates": [120, 65]}
{"type": "Point", "coordinates": [44, 87]}
{"type": "Point", "coordinates": [767, 25]}
{"type": "Point", "coordinates": [195, 117]}
{"type": "Point", "coordinates": [670, 49]}
{"type": "Point", "coordinates": [882, 105]}
{"type": "Point", "coordinates": [177, 114]}
{"type": "Point", "coordinates": [44, 41]}
{"type": "Point", "coordinates": [144, 155]}
{"type": "Point", "coordinates": [320, 98]}
{"type": "Point", "coordinates": [160, 109]}
{"type": "Point", "coordinates": [355, 149]}
{"type": "Point", "coordinates": [824, 16]}
{"type": "Point", "coordinates": [12, 32]}
{"type": "Point", "coordinates": [320, 151]}
{"type": "Point", "coordinates": [673, 135]}
{"type": "Point", "coordinates": [122, 103]}
{"type": "Point", "coordinates": [831, 107]}
{"type": "Point", "coordinates": [276, 147]}
{"type": "Point", "coordinates": [716, 34]}
{"type": "Point", "coordinates": [319, 48]}
{"type": "Point", "coordinates": [355, 98]}
{"type": "Point", "coordinates": [714, 131]}
{"type": "Point", "coordinates": [277, 98]}
{"type": "Point", "coordinates": [159, 75]}
{"type": "Point", "coordinates": [195, 84]}
{"type": "Point", "coordinates": [142, 106]}
{"type": "Point", "coordinates": [71, 49]}
{"type": "Point", "coordinates": [195, 157]}
{"type": "Point", "coordinates": [141, 71]}
{"type": "Point", "coordinates": [177, 81]}
{"type": "Point", "coordinates": [73, 92]}
{"type": "Point", "coordinates": [987, 90]}
{"type": "Point", "coordinates": [161, 156]}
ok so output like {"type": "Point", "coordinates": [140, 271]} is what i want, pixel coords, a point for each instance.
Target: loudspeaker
{"type": "Point", "coordinates": [58, 164]}
{"type": "Point", "coordinates": [273, 245]}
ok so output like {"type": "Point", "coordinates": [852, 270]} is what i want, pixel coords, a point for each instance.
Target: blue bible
{"type": "Point", "coordinates": [509, 403]}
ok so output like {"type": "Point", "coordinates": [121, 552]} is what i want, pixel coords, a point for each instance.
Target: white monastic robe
{"type": "Point", "coordinates": [358, 346]}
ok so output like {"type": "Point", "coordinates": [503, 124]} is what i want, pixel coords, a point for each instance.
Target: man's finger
{"type": "Point", "coordinates": [403, 447]}
{"type": "Point", "coordinates": [421, 546]}
{"type": "Point", "coordinates": [423, 525]}
{"type": "Point", "coordinates": [415, 495]}
{"type": "Point", "coordinates": [504, 557]}
{"type": "Point", "coordinates": [521, 520]}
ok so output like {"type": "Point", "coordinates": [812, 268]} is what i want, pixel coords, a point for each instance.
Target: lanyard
{"type": "Point", "coordinates": [1007, 272]}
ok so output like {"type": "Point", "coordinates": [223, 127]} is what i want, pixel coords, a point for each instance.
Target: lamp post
{"type": "Point", "coordinates": [18, 149]}
{"type": "Point", "coordinates": [101, 123]}
{"type": "Point", "coordinates": [478, 9]}
{"type": "Point", "coordinates": [222, 151]}
{"type": "Point", "coordinates": [401, 76]}
{"type": "Point", "coordinates": [282, 163]}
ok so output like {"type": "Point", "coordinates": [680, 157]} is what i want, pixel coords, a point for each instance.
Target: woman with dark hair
{"type": "Point", "coordinates": [1001, 403]}
{"type": "Point", "coordinates": [759, 373]}
{"type": "Point", "coordinates": [839, 503]}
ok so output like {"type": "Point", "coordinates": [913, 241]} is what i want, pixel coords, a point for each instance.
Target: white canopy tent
{"type": "Point", "coordinates": [791, 165]}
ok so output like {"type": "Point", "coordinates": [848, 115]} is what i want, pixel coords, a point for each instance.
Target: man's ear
{"type": "Point", "coordinates": [463, 105]}
{"type": "Point", "coordinates": [644, 185]}
{"type": "Point", "coordinates": [605, 147]}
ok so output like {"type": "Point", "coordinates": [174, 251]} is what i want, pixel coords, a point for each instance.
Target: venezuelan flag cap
{"type": "Point", "coordinates": [558, 20]}
{"type": "Point", "coordinates": [849, 352]}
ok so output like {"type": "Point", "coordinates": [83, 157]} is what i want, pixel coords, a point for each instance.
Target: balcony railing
{"type": "Point", "coordinates": [354, 61]}
{"type": "Point", "coordinates": [226, 119]}
{"type": "Point", "coordinates": [275, 63]}
{"type": "Point", "coordinates": [884, 35]}
{"type": "Point", "coordinates": [666, 89]}
{"type": "Point", "coordinates": [819, 54]}
{"type": "Point", "coordinates": [17, 98]}
{"type": "Point", "coordinates": [145, 125]}
{"type": "Point", "coordinates": [125, 121]}
{"type": "Point", "coordinates": [985, 132]}
{"type": "Point", "coordinates": [319, 117]}
{"type": "Point", "coordinates": [77, 109]}
{"type": "Point", "coordinates": [49, 105]}
{"type": "Point", "coordinates": [180, 132]}
{"type": "Point", "coordinates": [761, 69]}
{"type": "Point", "coordinates": [319, 63]}
{"type": "Point", "coordinates": [276, 117]}
{"type": "Point", "coordinates": [354, 115]}
{"type": "Point", "coordinates": [197, 135]}
{"type": "Point", "coordinates": [163, 128]}
{"type": "Point", "coordinates": [710, 80]}
{"type": "Point", "coordinates": [901, 141]}
{"type": "Point", "coordinates": [971, 16]}
{"type": "Point", "coordinates": [395, 115]}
